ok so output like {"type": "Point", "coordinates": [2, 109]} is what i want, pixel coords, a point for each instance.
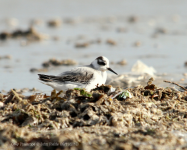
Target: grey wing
{"type": "Point", "coordinates": [79, 75]}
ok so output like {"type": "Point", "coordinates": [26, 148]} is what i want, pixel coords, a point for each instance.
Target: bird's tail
{"type": "Point", "coordinates": [45, 78]}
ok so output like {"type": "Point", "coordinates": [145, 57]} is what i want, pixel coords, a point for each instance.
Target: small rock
{"type": "Point", "coordinates": [82, 45]}
{"type": "Point", "coordinates": [137, 43]}
{"type": "Point", "coordinates": [6, 57]}
{"type": "Point", "coordinates": [17, 33]}
{"type": "Point", "coordinates": [55, 62]}
{"type": "Point", "coordinates": [111, 42]}
{"type": "Point", "coordinates": [161, 30]}
{"type": "Point", "coordinates": [38, 70]}
{"type": "Point", "coordinates": [46, 64]}
{"type": "Point", "coordinates": [55, 23]}
{"type": "Point", "coordinates": [133, 19]}
{"type": "Point", "coordinates": [4, 35]}
{"type": "Point", "coordinates": [1, 97]}
{"type": "Point", "coordinates": [122, 62]}
{"type": "Point", "coordinates": [185, 74]}
{"type": "Point", "coordinates": [1, 104]}
{"type": "Point", "coordinates": [33, 89]}
{"type": "Point", "coordinates": [30, 34]}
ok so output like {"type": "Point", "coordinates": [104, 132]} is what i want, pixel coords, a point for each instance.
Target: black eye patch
{"type": "Point", "coordinates": [100, 62]}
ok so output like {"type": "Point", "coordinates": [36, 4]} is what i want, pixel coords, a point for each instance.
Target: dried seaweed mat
{"type": "Point", "coordinates": [147, 117]}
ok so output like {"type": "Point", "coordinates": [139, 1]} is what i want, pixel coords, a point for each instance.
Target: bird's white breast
{"type": "Point", "coordinates": [99, 78]}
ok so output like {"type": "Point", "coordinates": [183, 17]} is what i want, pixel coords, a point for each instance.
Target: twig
{"type": "Point", "coordinates": [176, 84]}
{"type": "Point", "coordinates": [117, 95]}
{"type": "Point", "coordinates": [16, 95]}
{"type": "Point", "coordinates": [41, 101]}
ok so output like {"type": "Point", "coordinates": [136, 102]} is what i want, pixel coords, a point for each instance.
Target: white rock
{"type": "Point", "coordinates": [1, 104]}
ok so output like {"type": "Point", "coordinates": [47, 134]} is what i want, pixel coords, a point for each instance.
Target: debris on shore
{"type": "Point", "coordinates": [54, 62]}
{"type": "Point", "coordinates": [5, 57]}
{"type": "Point", "coordinates": [122, 62]}
{"type": "Point", "coordinates": [54, 23]}
{"type": "Point", "coordinates": [108, 118]}
{"type": "Point", "coordinates": [30, 35]}
{"type": "Point", "coordinates": [111, 42]}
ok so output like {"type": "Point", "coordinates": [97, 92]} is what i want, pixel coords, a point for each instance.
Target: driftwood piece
{"type": "Point", "coordinates": [176, 84]}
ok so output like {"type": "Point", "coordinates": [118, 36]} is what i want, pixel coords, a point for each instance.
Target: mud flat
{"type": "Point", "coordinates": [148, 117]}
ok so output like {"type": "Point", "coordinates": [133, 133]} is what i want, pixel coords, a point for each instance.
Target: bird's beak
{"type": "Point", "coordinates": [112, 71]}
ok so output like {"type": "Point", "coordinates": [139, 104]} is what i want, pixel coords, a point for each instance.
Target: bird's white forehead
{"type": "Point", "coordinates": [100, 62]}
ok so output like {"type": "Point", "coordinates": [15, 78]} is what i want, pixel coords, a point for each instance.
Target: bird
{"type": "Point", "coordinates": [87, 77]}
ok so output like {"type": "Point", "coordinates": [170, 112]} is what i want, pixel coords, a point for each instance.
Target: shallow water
{"type": "Point", "coordinates": [93, 20]}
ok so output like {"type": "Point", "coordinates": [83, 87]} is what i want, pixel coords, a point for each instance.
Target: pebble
{"type": "Point", "coordinates": [6, 57]}
{"type": "Point", "coordinates": [1, 97]}
{"type": "Point", "coordinates": [38, 70]}
{"type": "Point", "coordinates": [1, 104]}
{"type": "Point", "coordinates": [33, 89]}
{"type": "Point", "coordinates": [111, 42]}
{"type": "Point", "coordinates": [4, 35]}
{"type": "Point", "coordinates": [82, 45]}
{"type": "Point", "coordinates": [122, 62]}
{"type": "Point", "coordinates": [55, 62]}
{"type": "Point", "coordinates": [54, 23]}
{"type": "Point", "coordinates": [137, 43]}
{"type": "Point", "coordinates": [185, 64]}
{"type": "Point", "coordinates": [161, 30]}
{"type": "Point", "coordinates": [185, 74]}
{"type": "Point", "coordinates": [133, 19]}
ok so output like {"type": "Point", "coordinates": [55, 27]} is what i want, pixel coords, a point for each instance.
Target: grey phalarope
{"type": "Point", "coordinates": [87, 77]}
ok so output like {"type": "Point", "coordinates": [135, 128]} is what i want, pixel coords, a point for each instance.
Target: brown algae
{"type": "Point", "coordinates": [153, 117]}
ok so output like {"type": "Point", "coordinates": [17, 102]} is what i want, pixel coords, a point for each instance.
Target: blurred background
{"type": "Point", "coordinates": [51, 36]}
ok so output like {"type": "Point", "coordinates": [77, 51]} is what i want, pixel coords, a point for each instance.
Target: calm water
{"type": "Point", "coordinates": [93, 20]}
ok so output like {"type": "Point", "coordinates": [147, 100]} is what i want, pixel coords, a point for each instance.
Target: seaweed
{"type": "Point", "coordinates": [108, 118]}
